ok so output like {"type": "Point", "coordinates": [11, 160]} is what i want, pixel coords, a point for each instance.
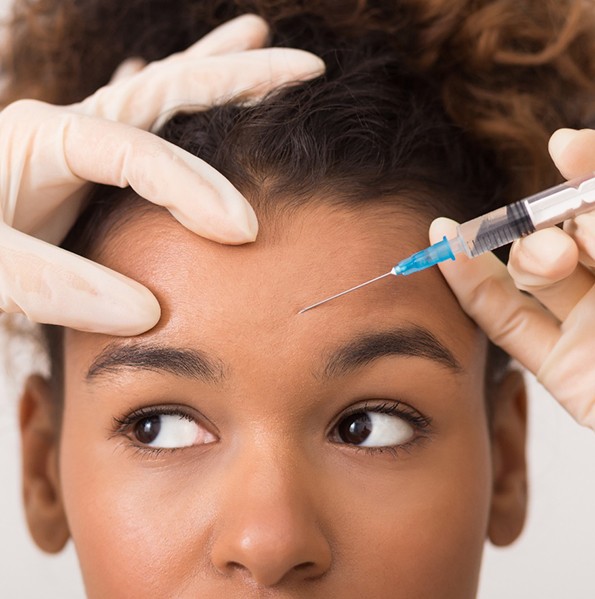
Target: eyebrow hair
{"type": "Point", "coordinates": [412, 341]}
{"type": "Point", "coordinates": [189, 363]}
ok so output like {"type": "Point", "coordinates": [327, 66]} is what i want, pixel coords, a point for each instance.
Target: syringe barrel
{"type": "Point", "coordinates": [562, 202]}
{"type": "Point", "coordinates": [495, 229]}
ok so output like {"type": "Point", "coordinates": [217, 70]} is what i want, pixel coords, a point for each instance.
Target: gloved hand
{"type": "Point", "coordinates": [552, 331]}
{"type": "Point", "coordinates": [49, 153]}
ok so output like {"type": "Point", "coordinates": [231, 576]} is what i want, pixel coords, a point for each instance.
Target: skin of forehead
{"type": "Point", "coordinates": [296, 260]}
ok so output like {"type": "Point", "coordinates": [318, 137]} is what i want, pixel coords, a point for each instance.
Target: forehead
{"type": "Point", "coordinates": [243, 302]}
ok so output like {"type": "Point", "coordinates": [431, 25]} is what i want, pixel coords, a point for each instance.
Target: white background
{"type": "Point", "coordinates": [554, 558]}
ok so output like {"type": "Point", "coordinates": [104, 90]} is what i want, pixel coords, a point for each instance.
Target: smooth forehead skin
{"type": "Point", "coordinates": [274, 508]}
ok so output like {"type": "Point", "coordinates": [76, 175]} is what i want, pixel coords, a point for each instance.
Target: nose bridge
{"type": "Point", "coordinates": [269, 527]}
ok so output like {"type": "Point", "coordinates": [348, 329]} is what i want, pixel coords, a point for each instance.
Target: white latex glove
{"type": "Point", "coordinates": [49, 153]}
{"type": "Point", "coordinates": [551, 331]}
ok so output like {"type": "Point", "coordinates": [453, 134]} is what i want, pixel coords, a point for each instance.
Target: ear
{"type": "Point", "coordinates": [509, 433]}
{"type": "Point", "coordinates": [40, 438]}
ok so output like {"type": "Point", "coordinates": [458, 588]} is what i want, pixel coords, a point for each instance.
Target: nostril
{"type": "Point", "coordinates": [302, 566]}
{"type": "Point", "coordinates": [307, 571]}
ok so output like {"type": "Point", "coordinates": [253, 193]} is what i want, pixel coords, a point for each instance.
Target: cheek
{"type": "Point", "coordinates": [136, 528]}
{"type": "Point", "coordinates": [422, 527]}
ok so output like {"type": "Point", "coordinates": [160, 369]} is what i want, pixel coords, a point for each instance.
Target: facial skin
{"type": "Point", "coordinates": [272, 500]}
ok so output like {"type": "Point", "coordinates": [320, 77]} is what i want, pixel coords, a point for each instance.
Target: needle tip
{"type": "Point", "coordinates": [310, 307]}
{"type": "Point", "coordinates": [328, 299]}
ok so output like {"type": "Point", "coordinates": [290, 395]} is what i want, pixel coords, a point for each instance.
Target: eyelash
{"type": "Point", "coordinates": [420, 423]}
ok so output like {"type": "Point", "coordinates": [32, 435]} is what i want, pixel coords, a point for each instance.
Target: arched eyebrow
{"type": "Point", "coordinates": [411, 341]}
{"type": "Point", "coordinates": [188, 363]}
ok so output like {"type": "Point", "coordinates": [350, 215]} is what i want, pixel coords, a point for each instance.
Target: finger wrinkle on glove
{"type": "Point", "coordinates": [111, 142]}
{"type": "Point", "coordinates": [33, 283]}
{"type": "Point", "coordinates": [131, 101]}
{"type": "Point", "coordinates": [51, 285]}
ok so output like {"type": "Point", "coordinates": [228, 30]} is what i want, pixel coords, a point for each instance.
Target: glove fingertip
{"type": "Point", "coordinates": [129, 308]}
{"type": "Point", "coordinates": [440, 227]}
{"type": "Point", "coordinates": [559, 141]}
{"type": "Point", "coordinates": [112, 305]}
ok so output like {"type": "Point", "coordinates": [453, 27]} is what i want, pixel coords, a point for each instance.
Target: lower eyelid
{"type": "Point", "coordinates": [395, 451]}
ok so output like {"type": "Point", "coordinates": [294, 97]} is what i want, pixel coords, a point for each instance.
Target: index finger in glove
{"type": "Point", "coordinates": [69, 148]}
{"type": "Point", "coordinates": [50, 285]}
{"type": "Point", "coordinates": [197, 195]}
{"type": "Point", "coordinates": [163, 88]}
{"type": "Point", "coordinates": [485, 290]}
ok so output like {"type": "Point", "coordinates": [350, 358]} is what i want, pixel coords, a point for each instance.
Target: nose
{"type": "Point", "coordinates": [269, 531]}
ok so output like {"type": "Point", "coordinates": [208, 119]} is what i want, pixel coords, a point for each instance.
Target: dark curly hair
{"type": "Point", "coordinates": [442, 105]}
{"type": "Point", "coordinates": [509, 72]}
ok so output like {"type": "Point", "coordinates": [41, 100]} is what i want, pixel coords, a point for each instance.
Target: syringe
{"type": "Point", "coordinates": [499, 227]}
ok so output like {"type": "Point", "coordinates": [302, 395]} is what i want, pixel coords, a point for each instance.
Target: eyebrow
{"type": "Point", "coordinates": [411, 341]}
{"type": "Point", "coordinates": [188, 363]}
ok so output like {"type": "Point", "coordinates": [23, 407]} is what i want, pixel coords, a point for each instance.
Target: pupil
{"type": "Point", "coordinates": [147, 429]}
{"type": "Point", "coordinates": [356, 428]}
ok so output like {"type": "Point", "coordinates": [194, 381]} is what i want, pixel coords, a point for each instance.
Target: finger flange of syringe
{"type": "Point", "coordinates": [563, 202]}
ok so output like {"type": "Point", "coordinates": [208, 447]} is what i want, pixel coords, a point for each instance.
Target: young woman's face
{"type": "Point", "coordinates": [241, 449]}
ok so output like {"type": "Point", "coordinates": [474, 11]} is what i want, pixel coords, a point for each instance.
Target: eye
{"type": "Point", "coordinates": [369, 428]}
{"type": "Point", "coordinates": [158, 429]}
